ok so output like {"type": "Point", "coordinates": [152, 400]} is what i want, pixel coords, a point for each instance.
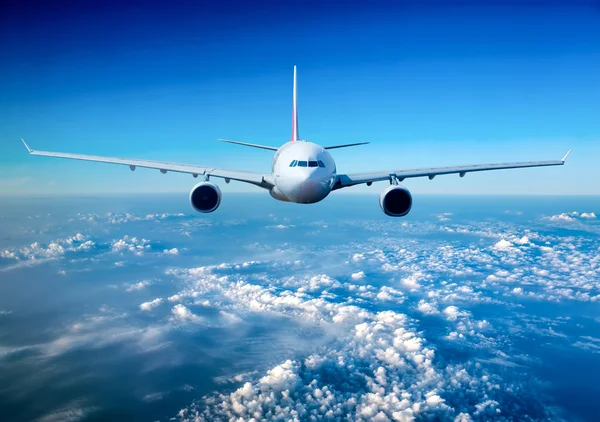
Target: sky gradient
{"type": "Point", "coordinates": [427, 84]}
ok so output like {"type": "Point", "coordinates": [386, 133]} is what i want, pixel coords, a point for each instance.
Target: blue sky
{"type": "Point", "coordinates": [427, 84]}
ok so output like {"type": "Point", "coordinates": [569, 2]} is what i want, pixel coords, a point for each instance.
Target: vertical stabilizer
{"type": "Point", "coordinates": [295, 134]}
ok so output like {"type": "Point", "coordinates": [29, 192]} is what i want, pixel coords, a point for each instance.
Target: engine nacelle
{"type": "Point", "coordinates": [205, 197]}
{"type": "Point", "coordinates": [395, 201]}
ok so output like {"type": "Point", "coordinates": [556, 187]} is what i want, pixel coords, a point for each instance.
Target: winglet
{"type": "Point", "coordinates": [566, 155]}
{"type": "Point", "coordinates": [26, 146]}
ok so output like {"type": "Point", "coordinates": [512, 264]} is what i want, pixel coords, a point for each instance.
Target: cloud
{"type": "Point", "coordinates": [444, 216]}
{"type": "Point", "coordinates": [131, 244]}
{"type": "Point", "coordinates": [503, 245]}
{"type": "Point", "coordinates": [412, 281]}
{"type": "Point", "coordinates": [138, 286]}
{"type": "Point", "coordinates": [173, 251]}
{"type": "Point", "coordinates": [37, 253]}
{"type": "Point", "coordinates": [121, 218]}
{"type": "Point", "coordinates": [370, 354]}
{"type": "Point", "coordinates": [452, 313]}
{"type": "Point", "coordinates": [571, 216]}
{"type": "Point", "coordinates": [280, 226]}
{"type": "Point", "coordinates": [383, 370]}
{"type": "Point", "coordinates": [561, 217]}
{"type": "Point", "coordinates": [427, 308]}
{"type": "Point", "coordinates": [358, 275]}
{"type": "Point", "coordinates": [377, 366]}
{"type": "Point", "coordinates": [183, 314]}
{"type": "Point", "coordinates": [73, 412]}
{"type": "Point", "coordinates": [147, 306]}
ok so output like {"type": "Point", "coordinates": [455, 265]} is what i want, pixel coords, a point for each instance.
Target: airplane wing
{"type": "Point", "coordinates": [258, 179]}
{"type": "Point", "coordinates": [345, 180]}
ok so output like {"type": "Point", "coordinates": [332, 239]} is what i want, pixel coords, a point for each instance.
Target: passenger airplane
{"type": "Point", "coordinates": [302, 172]}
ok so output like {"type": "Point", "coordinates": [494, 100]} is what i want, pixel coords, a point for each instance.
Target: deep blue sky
{"type": "Point", "coordinates": [427, 84]}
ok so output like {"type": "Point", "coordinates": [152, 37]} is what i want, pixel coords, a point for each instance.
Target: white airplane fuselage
{"type": "Point", "coordinates": [303, 172]}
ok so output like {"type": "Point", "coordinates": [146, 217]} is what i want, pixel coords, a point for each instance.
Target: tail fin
{"type": "Point", "coordinates": [295, 134]}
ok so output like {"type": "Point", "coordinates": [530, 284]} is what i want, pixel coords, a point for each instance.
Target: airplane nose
{"type": "Point", "coordinates": [309, 188]}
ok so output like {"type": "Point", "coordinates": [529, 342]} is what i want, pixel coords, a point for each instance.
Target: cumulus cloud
{"type": "Point", "coordinates": [503, 245]}
{"type": "Point", "coordinates": [377, 363]}
{"type": "Point", "coordinates": [452, 313]}
{"type": "Point", "coordinates": [183, 314]}
{"type": "Point", "coordinates": [121, 218]}
{"type": "Point", "coordinates": [38, 253]}
{"type": "Point", "coordinates": [173, 251]}
{"type": "Point", "coordinates": [427, 308]}
{"type": "Point", "coordinates": [383, 371]}
{"type": "Point", "coordinates": [131, 244]}
{"type": "Point", "coordinates": [412, 281]}
{"type": "Point", "coordinates": [561, 217]}
{"type": "Point", "coordinates": [571, 216]}
{"type": "Point", "coordinates": [138, 286]}
{"type": "Point", "coordinates": [358, 275]}
{"type": "Point", "coordinates": [381, 368]}
{"type": "Point", "coordinates": [147, 306]}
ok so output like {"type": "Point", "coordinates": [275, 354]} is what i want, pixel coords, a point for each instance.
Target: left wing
{"type": "Point", "coordinates": [345, 180]}
{"type": "Point", "coordinates": [258, 179]}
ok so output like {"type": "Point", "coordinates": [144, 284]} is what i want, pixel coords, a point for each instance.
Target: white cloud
{"type": "Point", "coordinates": [120, 218]}
{"type": "Point", "coordinates": [183, 314]}
{"type": "Point", "coordinates": [131, 244]}
{"type": "Point", "coordinates": [138, 286]}
{"type": "Point", "coordinates": [39, 253]}
{"type": "Point", "coordinates": [280, 226]}
{"type": "Point", "coordinates": [358, 275]}
{"type": "Point", "coordinates": [561, 217]}
{"type": "Point", "coordinates": [503, 245]}
{"type": "Point", "coordinates": [427, 308]}
{"type": "Point", "coordinates": [73, 412]}
{"type": "Point", "coordinates": [229, 317]}
{"type": "Point", "coordinates": [452, 313]}
{"type": "Point", "coordinates": [412, 281]}
{"type": "Point", "coordinates": [173, 251]}
{"type": "Point", "coordinates": [393, 372]}
{"type": "Point", "coordinates": [147, 306]}
{"type": "Point", "coordinates": [571, 216]}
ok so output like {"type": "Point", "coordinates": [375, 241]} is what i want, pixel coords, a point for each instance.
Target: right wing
{"type": "Point", "coordinates": [258, 179]}
{"type": "Point", "coordinates": [351, 179]}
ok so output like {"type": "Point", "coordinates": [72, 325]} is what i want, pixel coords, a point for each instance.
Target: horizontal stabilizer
{"type": "Point", "coordinates": [347, 145]}
{"type": "Point", "coordinates": [249, 145]}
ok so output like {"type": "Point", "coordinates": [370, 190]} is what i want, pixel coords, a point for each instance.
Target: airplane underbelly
{"type": "Point", "coordinates": [305, 192]}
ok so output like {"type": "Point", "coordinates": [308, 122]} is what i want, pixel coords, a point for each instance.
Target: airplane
{"type": "Point", "coordinates": [302, 172]}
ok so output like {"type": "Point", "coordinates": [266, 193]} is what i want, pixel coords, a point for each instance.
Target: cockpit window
{"type": "Point", "coordinates": [293, 163]}
{"type": "Point", "coordinates": [321, 164]}
{"type": "Point", "coordinates": [313, 164]}
{"type": "Point", "coordinates": [302, 164]}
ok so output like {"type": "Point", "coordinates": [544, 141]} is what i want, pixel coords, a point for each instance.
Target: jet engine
{"type": "Point", "coordinates": [395, 201]}
{"type": "Point", "coordinates": [205, 197]}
